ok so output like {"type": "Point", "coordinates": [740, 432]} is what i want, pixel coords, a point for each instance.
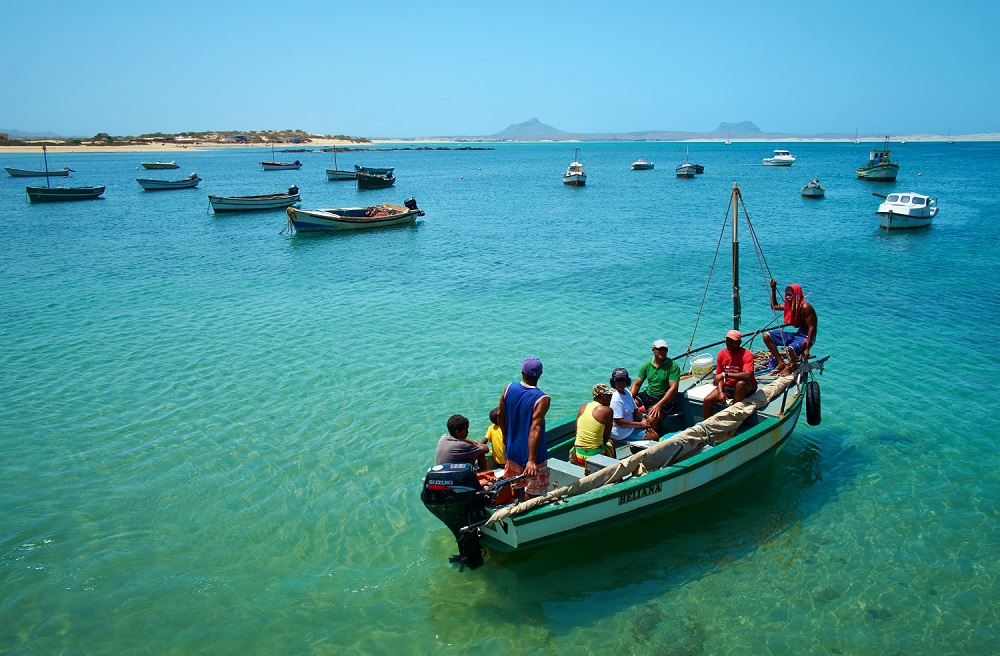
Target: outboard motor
{"type": "Point", "coordinates": [411, 204]}
{"type": "Point", "coordinates": [453, 494]}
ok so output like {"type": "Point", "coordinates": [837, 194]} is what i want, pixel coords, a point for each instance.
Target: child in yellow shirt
{"type": "Point", "coordinates": [494, 438]}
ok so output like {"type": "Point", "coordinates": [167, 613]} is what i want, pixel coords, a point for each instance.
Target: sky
{"type": "Point", "coordinates": [425, 69]}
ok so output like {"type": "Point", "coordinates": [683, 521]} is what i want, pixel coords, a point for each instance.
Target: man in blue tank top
{"type": "Point", "coordinates": [522, 421]}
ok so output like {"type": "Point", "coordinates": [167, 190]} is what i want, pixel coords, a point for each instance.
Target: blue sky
{"type": "Point", "coordinates": [411, 69]}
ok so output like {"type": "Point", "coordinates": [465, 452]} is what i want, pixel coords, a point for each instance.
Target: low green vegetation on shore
{"type": "Point", "coordinates": [262, 137]}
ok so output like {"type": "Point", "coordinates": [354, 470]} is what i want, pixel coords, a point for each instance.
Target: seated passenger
{"type": "Point", "coordinates": [494, 438]}
{"type": "Point", "coordinates": [734, 377]}
{"type": "Point", "coordinates": [455, 446]}
{"type": "Point", "coordinates": [593, 427]}
{"type": "Point", "coordinates": [662, 377]}
{"type": "Point", "coordinates": [629, 424]}
{"type": "Point", "coordinates": [801, 315]}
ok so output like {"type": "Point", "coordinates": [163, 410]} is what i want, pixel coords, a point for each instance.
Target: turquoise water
{"type": "Point", "coordinates": [213, 435]}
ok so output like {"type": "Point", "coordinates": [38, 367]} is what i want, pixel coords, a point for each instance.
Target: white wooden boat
{"type": "Point", "coordinates": [337, 174]}
{"type": "Point", "coordinates": [31, 173]}
{"type": "Point", "coordinates": [642, 165]}
{"type": "Point", "coordinates": [880, 168]}
{"type": "Point", "coordinates": [643, 479]}
{"type": "Point", "coordinates": [353, 218]}
{"type": "Point", "coordinates": [159, 165]}
{"type": "Point", "coordinates": [780, 158]}
{"type": "Point", "coordinates": [150, 184]}
{"type": "Point", "coordinates": [574, 176]}
{"type": "Point", "coordinates": [906, 210]}
{"type": "Point", "coordinates": [813, 189]}
{"type": "Point", "coordinates": [255, 203]}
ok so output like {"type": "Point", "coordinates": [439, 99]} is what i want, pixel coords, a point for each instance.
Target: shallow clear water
{"type": "Point", "coordinates": [213, 435]}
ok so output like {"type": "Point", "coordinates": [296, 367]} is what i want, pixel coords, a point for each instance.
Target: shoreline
{"type": "Point", "coordinates": [326, 143]}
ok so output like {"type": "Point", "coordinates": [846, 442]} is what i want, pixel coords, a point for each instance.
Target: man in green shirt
{"type": "Point", "coordinates": [662, 377]}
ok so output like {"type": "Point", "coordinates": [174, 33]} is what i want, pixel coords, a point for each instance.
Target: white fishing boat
{"type": "Point", "coordinates": [574, 176]}
{"type": "Point", "coordinates": [255, 203]}
{"type": "Point", "coordinates": [700, 458]}
{"type": "Point", "coordinates": [813, 189]}
{"type": "Point", "coordinates": [906, 210]}
{"type": "Point", "coordinates": [353, 218]}
{"type": "Point", "coordinates": [780, 158]}
{"type": "Point", "coordinates": [880, 167]}
{"type": "Point", "coordinates": [159, 165]}
{"type": "Point", "coordinates": [150, 184]}
{"type": "Point", "coordinates": [337, 174]}
{"type": "Point", "coordinates": [32, 173]}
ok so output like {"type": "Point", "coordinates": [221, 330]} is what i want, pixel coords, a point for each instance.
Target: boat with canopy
{"type": "Point", "coordinates": [699, 458]}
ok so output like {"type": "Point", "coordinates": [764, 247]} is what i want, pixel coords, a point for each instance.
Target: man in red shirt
{"type": "Point", "coordinates": [734, 377]}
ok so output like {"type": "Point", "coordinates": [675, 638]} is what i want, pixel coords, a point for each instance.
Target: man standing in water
{"type": "Point", "coordinates": [522, 421]}
{"type": "Point", "coordinates": [799, 314]}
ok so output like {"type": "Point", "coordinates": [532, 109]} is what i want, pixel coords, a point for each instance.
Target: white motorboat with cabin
{"type": "Point", "coordinates": [813, 189]}
{"type": "Point", "coordinates": [643, 478]}
{"type": "Point", "coordinates": [906, 210]}
{"type": "Point", "coordinates": [642, 165]}
{"type": "Point", "coordinates": [574, 176]}
{"type": "Point", "coordinates": [780, 158]}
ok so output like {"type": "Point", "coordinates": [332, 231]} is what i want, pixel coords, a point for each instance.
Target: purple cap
{"type": "Point", "coordinates": [532, 368]}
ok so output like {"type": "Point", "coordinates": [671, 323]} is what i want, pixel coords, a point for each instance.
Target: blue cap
{"type": "Point", "coordinates": [532, 368]}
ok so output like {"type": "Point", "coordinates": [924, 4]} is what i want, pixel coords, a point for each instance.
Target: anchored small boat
{"type": "Point", "coordinates": [880, 168]}
{"type": "Point", "coordinates": [31, 173]}
{"type": "Point", "coordinates": [337, 174]}
{"type": "Point", "coordinates": [906, 210]}
{"type": "Point", "coordinates": [255, 203]}
{"type": "Point", "coordinates": [813, 189]}
{"type": "Point", "coordinates": [353, 218]}
{"type": "Point", "coordinates": [642, 165]}
{"type": "Point", "coordinates": [574, 176]}
{"type": "Point", "coordinates": [378, 170]}
{"type": "Point", "coordinates": [642, 479]}
{"type": "Point", "coordinates": [150, 184]}
{"type": "Point", "coordinates": [372, 180]}
{"type": "Point", "coordinates": [50, 194]}
{"type": "Point", "coordinates": [159, 165]}
{"type": "Point", "coordinates": [780, 158]}
{"type": "Point", "coordinates": [280, 166]}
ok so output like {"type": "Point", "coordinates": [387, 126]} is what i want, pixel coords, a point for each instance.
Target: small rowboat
{"type": "Point", "coordinates": [353, 218]}
{"type": "Point", "coordinates": [383, 170]}
{"type": "Point", "coordinates": [62, 194]}
{"type": "Point", "coordinates": [159, 165]}
{"type": "Point", "coordinates": [31, 173]}
{"type": "Point", "coordinates": [150, 184]}
{"type": "Point", "coordinates": [255, 203]}
{"type": "Point", "coordinates": [368, 180]}
{"type": "Point", "coordinates": [642, 165]}
{"type": "Point", "coordinates": [813, 189]}
{"type": "Point", "coordinates": [281, 166]}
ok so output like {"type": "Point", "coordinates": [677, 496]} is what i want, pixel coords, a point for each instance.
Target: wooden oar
{"type": "Point", "coordinates": [879, 195]}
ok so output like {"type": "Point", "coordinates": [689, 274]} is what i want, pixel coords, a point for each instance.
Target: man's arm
{"type": "Point", "coordinates": [811, 321]}
{"type": "Point", "coordinates": [606, 417]}
{"type": "Point", "coordinates": [502, 417]}
{"type": "Point", "coordinates": [535, 434]}
{"type": "Point", "coordinates": [775, 305]}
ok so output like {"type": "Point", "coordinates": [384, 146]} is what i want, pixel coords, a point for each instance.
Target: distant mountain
{"type": "Point", "coordinates": [19, 134]}
{"type": "Point", "coordinates": [531, 130]}
{"type": "Point", "coordinates": [741, 129]}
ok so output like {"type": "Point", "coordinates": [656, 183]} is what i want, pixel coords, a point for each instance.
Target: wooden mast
{"type": "Point", "coordinates": [736, 257]}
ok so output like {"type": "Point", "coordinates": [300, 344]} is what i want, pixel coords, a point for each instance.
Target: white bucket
{"type": "Point", "coordinates": [702, 365]}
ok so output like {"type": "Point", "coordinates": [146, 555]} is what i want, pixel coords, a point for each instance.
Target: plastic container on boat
{"type": "Point", "coordinates": [702, 365]}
